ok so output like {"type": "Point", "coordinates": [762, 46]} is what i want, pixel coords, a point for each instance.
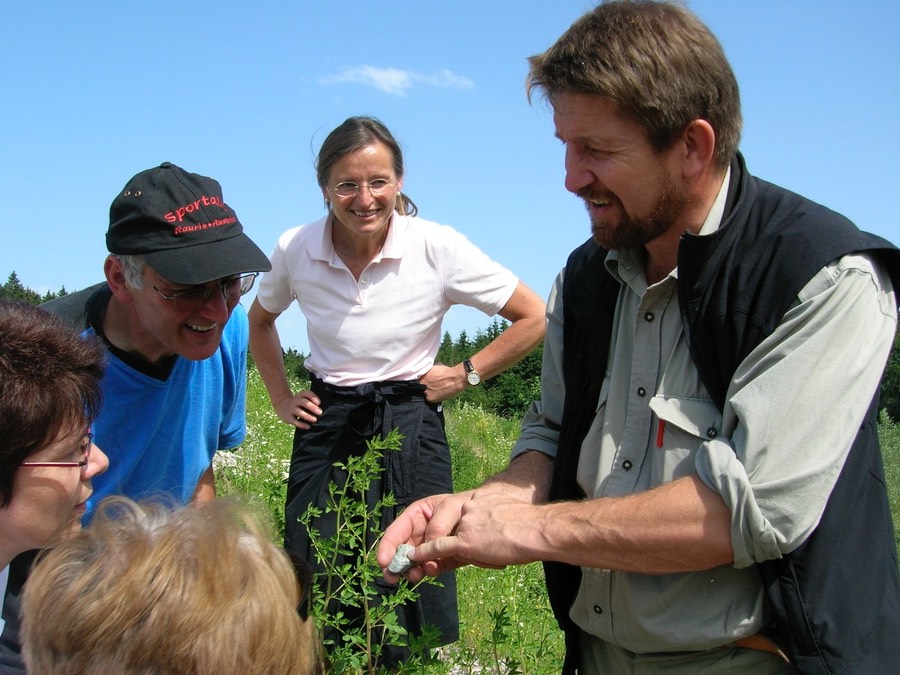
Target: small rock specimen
{"type": "Point", "coordinates": [401, 561]}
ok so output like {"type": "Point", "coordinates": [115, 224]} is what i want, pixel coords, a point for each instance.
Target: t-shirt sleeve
{"type": "Point", "coordinates": [275, 292]}
{"type": "Point", "coordinates": [469, 275]}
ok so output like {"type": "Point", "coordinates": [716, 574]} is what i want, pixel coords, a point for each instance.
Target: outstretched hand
{"type": "Point", "coordinates": [431, 517]}
{"type": "Point", "coordinates": [483, 527]}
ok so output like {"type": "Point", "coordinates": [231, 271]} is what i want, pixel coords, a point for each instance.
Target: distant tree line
{"type": "Point", "coordinates": [293, 363]}
{"type": "Point", "coordinates": [510, 393]}
{"type": "Point", "coordinates": [14, 290]}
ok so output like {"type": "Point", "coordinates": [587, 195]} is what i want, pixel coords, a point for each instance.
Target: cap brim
{"type": "Point", "coordinates": [209, 261]}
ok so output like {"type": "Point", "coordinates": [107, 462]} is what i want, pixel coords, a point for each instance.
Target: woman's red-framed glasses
{"type": "Point", "coordinates": [86, 445]}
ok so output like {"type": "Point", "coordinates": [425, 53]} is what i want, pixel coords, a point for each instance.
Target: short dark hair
{"type": "Point", "coordinates": [353, 134]}
{"type": "Point", "coordinates": [656, 61]}
{"type": "Point", "coordinates": [49, 384]}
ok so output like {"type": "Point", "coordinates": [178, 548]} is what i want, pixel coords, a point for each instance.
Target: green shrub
{"type": "Point", "coordinates": [350, 571]}
{"type": "Point", "coordinates": [890, 382]}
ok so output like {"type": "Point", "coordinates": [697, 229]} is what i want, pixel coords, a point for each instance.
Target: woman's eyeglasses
{"type": "Point", "coordinates": [376, 188]}
{"type": "Point", "coordinates": [86, 445]}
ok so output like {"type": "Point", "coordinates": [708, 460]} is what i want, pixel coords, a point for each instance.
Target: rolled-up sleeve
{"type": "Point", "coordinates": [540, 425]}
{"type": "Point", "coordinates": [795, 406]}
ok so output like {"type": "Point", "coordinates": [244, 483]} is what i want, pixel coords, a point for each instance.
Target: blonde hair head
{"type": "Point", "coordinates": [150, 589]}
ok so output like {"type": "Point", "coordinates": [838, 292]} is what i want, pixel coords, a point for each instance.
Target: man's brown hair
{"type": "Point", "coordinates": [656, 61]}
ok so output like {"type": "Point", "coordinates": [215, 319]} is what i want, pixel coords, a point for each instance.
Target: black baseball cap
{"type": "Point", "coordinates": [179, 223]}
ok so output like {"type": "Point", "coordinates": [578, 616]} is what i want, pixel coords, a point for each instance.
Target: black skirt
{"type": "Point", "coordinates": [351, 416]}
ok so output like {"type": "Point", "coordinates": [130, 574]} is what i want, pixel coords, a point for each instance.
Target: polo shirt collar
{"type": "Point", "coordinates": [395, 244]}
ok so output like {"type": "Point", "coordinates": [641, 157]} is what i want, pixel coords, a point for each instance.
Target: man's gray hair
{"type": "Point", "coordinates": [133, 269]}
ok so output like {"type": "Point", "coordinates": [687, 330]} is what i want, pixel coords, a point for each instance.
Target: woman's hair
{"type": "Point", "coordinates": [656, 61]}
{"type": "Point", "coordinates": [353, 134]}
{"type": "Point", "coordinates": [151, 589]}
{"type": "Point", "coordinates": [49, 384]}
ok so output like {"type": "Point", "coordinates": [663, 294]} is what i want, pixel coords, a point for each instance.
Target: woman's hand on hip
{"type": "Point", "coordinates": [300, 410]}
{"type": "Point", "coordinates": [443, 382]}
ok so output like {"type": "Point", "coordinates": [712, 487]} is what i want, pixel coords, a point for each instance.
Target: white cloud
{"type": "Point", "coordinates": [447, 78]}
{"type": "Point", "coordinates": [396, 81]}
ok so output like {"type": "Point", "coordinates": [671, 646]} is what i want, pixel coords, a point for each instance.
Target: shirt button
{"type": "Point", "coordinates": [648, 316]}
{"type": "Point", "coordinates": [598, 609]}
{"type": "Point", "coordinates": [626, 464]}
{"type": "Point", "coordinates": [363, 280]}
{"type": "Point", "coordinates": [641, 391]}
{"type": "Point", "coordinates": [712, 432]}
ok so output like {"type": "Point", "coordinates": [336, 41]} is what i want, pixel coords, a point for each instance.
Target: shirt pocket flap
{"type": "Point", "coordinates": [698, 417]}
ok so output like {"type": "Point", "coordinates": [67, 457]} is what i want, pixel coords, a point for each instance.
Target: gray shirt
{"type": "Point", "coordinates": [791, 413]}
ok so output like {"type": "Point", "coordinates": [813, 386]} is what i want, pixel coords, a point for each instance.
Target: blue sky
{"type": "Point", "coordinates": [245, 92]}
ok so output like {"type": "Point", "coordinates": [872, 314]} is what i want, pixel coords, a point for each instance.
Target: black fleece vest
{"type": "Point", "coordinates": [836, 598]}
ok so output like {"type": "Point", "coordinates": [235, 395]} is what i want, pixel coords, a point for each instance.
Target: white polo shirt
{"type": "Point", "coordinates": [387, 325]}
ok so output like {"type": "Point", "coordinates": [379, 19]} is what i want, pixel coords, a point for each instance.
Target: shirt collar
{"type": "Point", "coordinates": [395, 244]}
{"type": "Point", "coordinates": [717, 210]}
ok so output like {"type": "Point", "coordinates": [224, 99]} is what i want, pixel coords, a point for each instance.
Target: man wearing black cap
{"type": "Point", "coordinates": [174, 386]}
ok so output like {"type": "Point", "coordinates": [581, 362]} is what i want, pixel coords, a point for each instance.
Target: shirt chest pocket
{"type": "Point", "coordinates": [682, 426]}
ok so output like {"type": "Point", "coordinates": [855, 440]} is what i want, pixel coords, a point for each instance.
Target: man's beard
{"type": "Point", "coordinates": [636, 232]}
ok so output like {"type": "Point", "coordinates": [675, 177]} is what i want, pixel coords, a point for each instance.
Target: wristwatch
{"type": "Point", "coordinates": [471, 374]}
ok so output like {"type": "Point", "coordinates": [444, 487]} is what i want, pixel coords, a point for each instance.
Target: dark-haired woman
{"type": "Point", "coordinates": [374, 282]}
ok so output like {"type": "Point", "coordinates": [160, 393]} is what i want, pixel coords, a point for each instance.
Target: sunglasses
{"type": "Point", "coordinates": [194, 298]}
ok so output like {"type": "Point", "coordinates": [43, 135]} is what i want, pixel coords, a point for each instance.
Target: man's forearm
{"type": "Point", "coordinates": [680, 526]}
{"type": "Point", "coordinates": [206, 487]}
{"type": "Point", "coordinates": [527, 478]}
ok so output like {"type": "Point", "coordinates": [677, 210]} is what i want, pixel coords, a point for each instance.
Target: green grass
{"type": "Point", "coordinates": [505, 621]}
{"type": "Point", "coordinates": [889, 433]}
{"type": "Point", "coordinates": [260, 469]}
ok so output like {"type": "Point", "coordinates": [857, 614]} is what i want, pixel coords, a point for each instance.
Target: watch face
{"type": "Point", "coordinates": [473, 377]}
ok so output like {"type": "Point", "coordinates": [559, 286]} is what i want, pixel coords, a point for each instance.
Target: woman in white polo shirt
{"type": "Point", "coordinates": [374, 282]}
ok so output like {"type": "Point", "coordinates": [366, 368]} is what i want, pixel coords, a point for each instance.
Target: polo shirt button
{"type": "Point", "coordinates": [598, 609]}
{"type": "Point", "coordinates": [364, 280]}
{"type": "Point", "coordinates": [641, 391]}
{"type": "Point", "coordinates": [712, 432]}
{"type": "Point", "coordinates": [648, 316]}
{"type": "Point", "coordinates": [626, 464]}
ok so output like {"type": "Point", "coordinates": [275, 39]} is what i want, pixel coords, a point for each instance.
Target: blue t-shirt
{"type": "Point", "coordinates": [160, 436]}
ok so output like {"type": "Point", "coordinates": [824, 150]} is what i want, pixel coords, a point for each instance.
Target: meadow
{"type": "Point", "coordinates": [506, 623]}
